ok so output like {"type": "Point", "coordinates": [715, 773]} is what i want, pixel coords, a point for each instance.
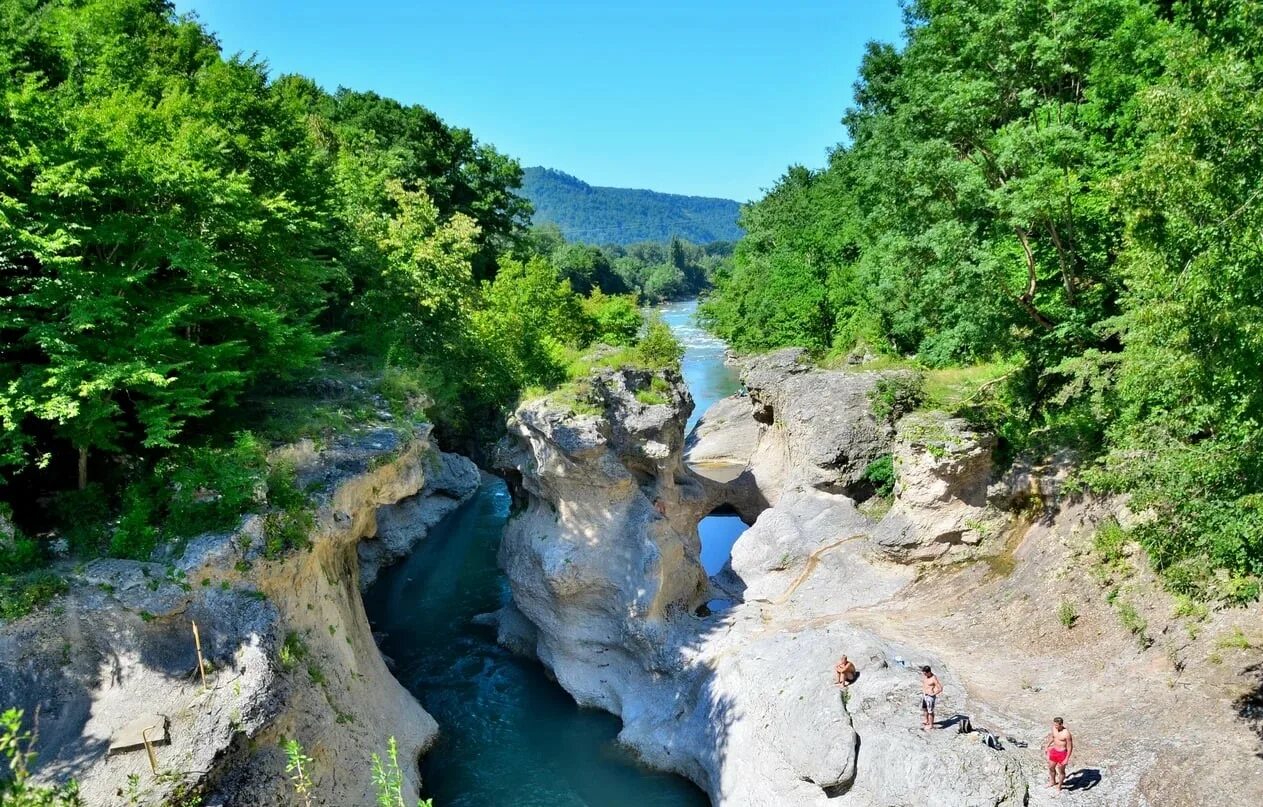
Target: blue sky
{"type": "Point", "coordinates": [705, 98]}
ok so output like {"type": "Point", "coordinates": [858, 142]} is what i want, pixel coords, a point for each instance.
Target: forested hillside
{"type": "Point", "coordinates": [595, 215]}
{"type": "Point", "coordinates": [1072, 193]}
{"type": "Point", "coordinates": [199, 259]}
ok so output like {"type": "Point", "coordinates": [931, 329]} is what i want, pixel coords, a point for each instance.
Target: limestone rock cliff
{"type": "Point", "coordinates": [603, 564]}
{"type": "Point", "coordinates": [966, 572]}
{"type": "Point", "coordinates": [289, 650]}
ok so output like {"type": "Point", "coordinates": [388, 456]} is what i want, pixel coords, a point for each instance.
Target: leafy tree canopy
{"type": "Point", "coordinates": [1072, 187]}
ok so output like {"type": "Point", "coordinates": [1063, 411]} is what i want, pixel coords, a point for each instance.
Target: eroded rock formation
{"type": "Point", "coordinates": [288, 647]}
{"type": "Point", "coordinates": [741, 700]}
{"type": "Point", "coordinates": [603, 564]}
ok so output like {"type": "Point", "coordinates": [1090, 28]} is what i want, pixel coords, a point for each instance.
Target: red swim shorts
{"type": "Point", "coordinates": [1058, 756]}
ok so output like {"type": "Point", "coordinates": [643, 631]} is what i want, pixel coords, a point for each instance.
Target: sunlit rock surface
{"type": "Point", "coordinates": [603, 562]}
{"type": "Point", "coordinates": [288, 649]}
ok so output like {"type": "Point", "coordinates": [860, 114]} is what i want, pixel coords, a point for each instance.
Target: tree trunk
{"type": "Point", "coordinates": [1027, 300]}
{"type": "Point", "coordinates": [83, 467]}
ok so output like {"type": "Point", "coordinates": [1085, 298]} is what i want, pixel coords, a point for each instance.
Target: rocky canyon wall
{"type": "Point", "coordinates": [729, 681]}
{"type": "Point", "coordinates": [288, 648]}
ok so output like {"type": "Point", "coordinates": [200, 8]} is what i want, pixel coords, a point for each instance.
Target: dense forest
{"type": "Point", "coordinates": [596, 215]}
{"type": "Point", "coordinates": [1072, 192]}
{"type": "Point", "coordinates": [199, 260]}
{"type": "Point", "coordinates": [655, 271]}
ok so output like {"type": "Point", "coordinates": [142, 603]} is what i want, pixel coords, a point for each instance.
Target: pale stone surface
{"type": "Point", "coordinates": [132, 737]}
{"type": "Point", "coordinates": [825, 418]}
{"type": "Point", "coordinates": [742, 701]}
{"type": "Point", "coordinates": [942, 470]}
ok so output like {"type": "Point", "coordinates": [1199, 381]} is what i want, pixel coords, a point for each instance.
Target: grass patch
{"type": "Point", "coordinates": [1233, 641]}
{"type": "Point", "coordinates": [1067, 615]}
{"type": "Point", "coordinates": [947, 388]}
{"type": "Point", "coordinates": [293, 651]}
{"type": "Point", "coordinates": [1134, 623]}
{"type": "Point", "coordinates": [1188, 608]}
{"type": "Point", "coordinates": [658, 392]}
{"type": "Point", "coordinates": [650, 397]}
{"type": "Point", "coordinates": [1110, 545]}
{"type": "Point", "coordinates": [21, 594]}
{"type": "Point", "coordinates": [289, 524]}
{"type": "Point", "coordinates": [952, 388]}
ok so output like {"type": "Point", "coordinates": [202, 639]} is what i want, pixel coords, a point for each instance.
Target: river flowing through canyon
{"type": "Point", "coordinates": [510, 735]}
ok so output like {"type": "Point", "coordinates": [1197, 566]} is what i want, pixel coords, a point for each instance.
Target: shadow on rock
{"type": "Point", "coordinates": [1250, 705]}
{"type": "Point", "coordinates": [1082, 779]}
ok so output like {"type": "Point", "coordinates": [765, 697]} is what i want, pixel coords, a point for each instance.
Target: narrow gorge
{"type": "Point", "coordinates": [727, 678]}
{"type": "Point", "coordinates": [616, 563]}
{"type": "Point", "coordinates": [598, 625]}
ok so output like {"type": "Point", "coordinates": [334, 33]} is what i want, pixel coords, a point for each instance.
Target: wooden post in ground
{"type": "Point", "coordinates": [153, 758]}
{"type": "Point", "coordinates": [201, 663]}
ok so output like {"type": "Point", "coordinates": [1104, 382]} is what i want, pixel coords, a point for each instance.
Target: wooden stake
{"type": "Point", "coordinates": [201, 663]}
{"type": "Point", "coordinates": [153, 758]}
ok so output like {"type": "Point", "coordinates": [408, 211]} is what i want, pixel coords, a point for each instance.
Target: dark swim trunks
{"type": "Point", "coordinates": [927, 702]}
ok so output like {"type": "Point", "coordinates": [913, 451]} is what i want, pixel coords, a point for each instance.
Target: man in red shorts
{"type": "Point", "coordinates": [1059, 744]}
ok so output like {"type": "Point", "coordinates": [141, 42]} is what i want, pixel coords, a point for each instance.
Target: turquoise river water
{"type": "Point", "coordinates": [511, 737]}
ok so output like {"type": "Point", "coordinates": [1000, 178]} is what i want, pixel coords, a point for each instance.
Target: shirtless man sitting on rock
{"type": "Point", "coordinates": [931, 688]}
{"type": "Point", "coordinates": [845, 673]}
{"type": "Point", "coordinates": [1059, 744]}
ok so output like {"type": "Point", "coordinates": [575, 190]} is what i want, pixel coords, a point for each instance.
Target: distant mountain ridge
{"type": "Point", "coordinates": [599, 215]}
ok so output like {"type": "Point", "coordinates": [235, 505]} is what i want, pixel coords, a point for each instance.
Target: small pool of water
{"type": "Point", "coordinates": [511, 737]}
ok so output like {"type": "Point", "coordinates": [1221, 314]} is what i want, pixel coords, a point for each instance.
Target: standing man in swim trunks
{"type": "Point", "coordinates": [931, 688]}
{"type": "Point", "coordinates": [1059, 744]}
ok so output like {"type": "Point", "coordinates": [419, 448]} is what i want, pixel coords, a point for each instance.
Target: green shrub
{"type": "Point", "coordinates": [21, 594]}
{"type": "Point", "coordinates": [405, 391]}
{"type": "Point", "coordinates": [1237, 590]}
{"type": "Point", "coordinates": [1134, 623]}
{"type": "Point", "coordinates": [136, 535]}
{"type": "Point", "coordinates": [298, 766]}
{"type": "Point", "coordinates": [1110, 544]}
{"type": "Point", "coordinates": [289, 522]}
{"type": "Point", "coordinates": [211, 488]}
{"type": "Point", "coordinates": [81, 517]}
{"type": "Point", "coordinates": [658, 348]}
{"type": "Point", "coordinates": [894, 396]}
{"type": "Point", "coordinates": [881, 474]}
{"type": "Point", "coordinates": [17, 790]}
{"type": "Point", "coordinates": [19, 554]}
{"type": "Point", "coordinates": [1067, 615]}
{"type": "Point", "coordinates": [293, 651]}
{"type": "Point", "coordinates": [387, 778]}
{"type": "Point", "coordinates": [615, 318]}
